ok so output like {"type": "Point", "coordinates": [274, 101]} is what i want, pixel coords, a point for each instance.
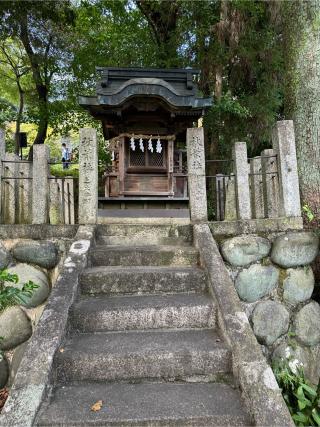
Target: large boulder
{"type": "Point", "coordinates": [270, 320]}
{"type": "Point", "coordinates": [15, 328]}
{"type": "Point", "coordinates": [307, 324]}
{"type": "Point", "coordinates": [295, 249]}
{"type": "Point", "coordinates": [26, 273]}
{"type": "Point", "coordinates": [243, 250]}
{"type": "Point", "coordinates": [44, 254]}
{"type": "Point", "coordinates": [4, 257]}
{"type": "Point", "coordinates": [4, 371]}
{"type": "Point", "coordinates": [256, 281]}
{"type": "Point", "coordinates": [298, 285]}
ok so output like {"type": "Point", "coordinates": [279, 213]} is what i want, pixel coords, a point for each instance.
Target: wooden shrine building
{"type": "Point", "coordinates": [145, 114]}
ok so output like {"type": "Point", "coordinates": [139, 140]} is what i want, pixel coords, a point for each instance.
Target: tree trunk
{"type": "Point", "coordinates": [302, 94]}
{"type": "Point", "coordinates": [40, 83]}
{"type": "Point", "coordinates": [43, 122]}
{"type": "Point", "coordinates": [162, 18]}
{"type": "Point", "coordinates": [19, 117]}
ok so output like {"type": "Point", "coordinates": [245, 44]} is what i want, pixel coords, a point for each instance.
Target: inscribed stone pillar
{"type": "Point", "coordinates": [241, 170]}
{"type": "Point", "coordinates": [2, 154]}
{"type": "Point", "coordinates": [88, 176]}
{"type": "Point", "coordinates": [283, 140]}
{"type": "Point", "coordinates": [270, 183]}
{"type": "Point", "coordinates": [256, 188]}
{"type": "Point", "coordinates": [196, 174]}
{"type": "Point", "coordinates": [40, 184]}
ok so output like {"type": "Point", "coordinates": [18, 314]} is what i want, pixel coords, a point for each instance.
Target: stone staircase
{"type": "Point", "coordinates": [143, 339]}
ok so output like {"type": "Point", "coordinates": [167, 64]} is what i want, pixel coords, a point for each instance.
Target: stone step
{"type": "Point", "coordinates": [142, 354]}
{"type": "Point", "coordinates": [105, 313]}
{"type": "Point", "coordinates": [144, 255]}
{"type": "Point", "coordinates": [143, 231]}
{"type": "Point", "coordinates": [136, 240]}
{"type": "Point", "coordinates": [132, 280]}
{"type": "Point", "coordinates": [145, 404]}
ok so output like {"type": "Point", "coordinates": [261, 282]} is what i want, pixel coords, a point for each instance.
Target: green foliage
{"type": "Point", "coordinates": [241, 46]}
{"type": "Point", "coordinates": [308, 212]}
{"type": "Point", "coordinates": [10, 295]}
{"type": "Point", "coordinates": [301, 397]}
{"type": "Point", "coordinates": [58, 171]}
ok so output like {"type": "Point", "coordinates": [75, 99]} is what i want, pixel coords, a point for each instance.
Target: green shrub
{"type": "Point", "coordinates": [9, 295]}
{"type": "Point", "coordinates": [301, 397]}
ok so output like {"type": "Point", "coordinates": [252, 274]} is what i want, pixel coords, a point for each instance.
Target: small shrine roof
{"type": "Point", "coordinates": [130, 94]}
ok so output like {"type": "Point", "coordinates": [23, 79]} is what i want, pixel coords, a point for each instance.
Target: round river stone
{"type": "Point", "coordinates": [4, 257]}
{"type": "Point", "coordinates": [26, 273]}
{"type": "Point", "coordinates": [270, 320]}
{"type": "Point", "coordinates": [256, 281]}
{"type": "Point", "coordinates": [44, 254]}
{"type": "Point", "coordinates": [295, 249]}
{"type": "Point", "coordinates": [298, 285]}
{"type": "Point", "coordinates": [15, 328]}
{"type": "Point", "coordinates": [243, 250]}
{"type": "Point", "coordinates": [4, 371]}
{"type": "Point", "coordinates": [307, 324]}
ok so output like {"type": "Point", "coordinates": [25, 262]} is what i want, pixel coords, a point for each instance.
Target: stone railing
{"type": "Point", "coordinates": [266, 186]}
{"type": "Point", "coordinates": [28, 194]}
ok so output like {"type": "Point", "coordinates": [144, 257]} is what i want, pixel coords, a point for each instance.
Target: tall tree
{"type": "Point", "coordinates": [162, 17]}
{"type": "Point", "coordinates": [302, 91]}
{"type": "Point", "coordinates": [13, 67]}
{"type": "Point", "coordinates": [40, 26]}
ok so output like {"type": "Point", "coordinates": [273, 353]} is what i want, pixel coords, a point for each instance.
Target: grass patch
{"type": "Point", "coordinates": [58, 171]}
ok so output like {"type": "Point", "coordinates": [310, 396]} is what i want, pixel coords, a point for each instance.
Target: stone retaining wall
{"type": "Point", "coordinates": [275, 282]}
{"type": "Point", "coordinates": [40, 262]}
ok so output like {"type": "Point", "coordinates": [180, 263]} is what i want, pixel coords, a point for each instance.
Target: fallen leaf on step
{"type": "Point", "coordinates": [97, 406]}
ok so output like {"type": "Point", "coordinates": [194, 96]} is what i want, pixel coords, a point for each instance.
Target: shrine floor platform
{"type": "Point", "coordinates": [161, 216]}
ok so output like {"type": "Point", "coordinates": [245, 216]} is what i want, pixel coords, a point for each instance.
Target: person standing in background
{"type": "Point", "coordinates": [65, 156]}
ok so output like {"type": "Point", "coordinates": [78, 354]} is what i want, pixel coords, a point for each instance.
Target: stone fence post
{"type": "Point", "coordinates": [196, 174]}
{"type": "Point", "coordinates": [40, 184]}
{"type": "Point", "coordinates": [283, 141]}
{"type": "Point", "coordinates": [257, 201]}
{"type": "Point", "coordinates": [270, 183]}
{"type": "Point", "coordinates": [88, 176]}
{"type": "Point", "coordinates": [2, 154]}
{"type": "Point", "coordinates": [241, 170]}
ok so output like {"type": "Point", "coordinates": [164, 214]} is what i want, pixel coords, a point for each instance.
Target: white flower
{"type": "Point", "coordinates": [294, 365]}
{"type": "Point", "coordinates": [287, 352]}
